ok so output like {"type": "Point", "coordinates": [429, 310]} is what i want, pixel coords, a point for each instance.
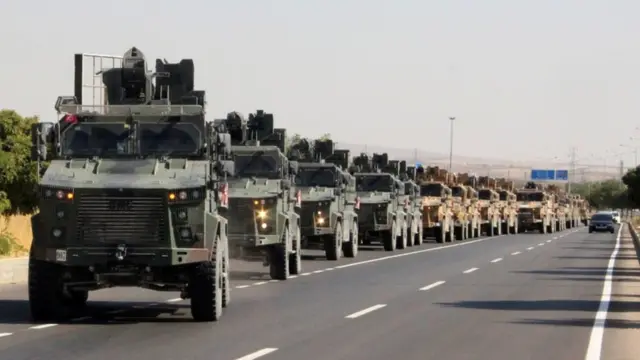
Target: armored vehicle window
{"type": "Point", "coordinates": [537, 196]}
{"type": "Point", "coordinates": [503, 195]}
{"type": "Point", "coordinates": [457, 191]}
{"type": "Point", "coordinates": [408, 188]}
{"type": "Point", "coordinates": [93, 139]}
{"type": "Point", "coordinates": [431, 190]}
{"type": "Point", "coordinates": [381, 182]}
{"type": "Point", "coordinates": [256, 163]}
{"type": "Point", "coordinates": [169, 138]}
{"type": "Point", "coordinates": [317, 176]}
{"type": "Point", "coordinates": [484, 194]}
{"type": "Point", "coordinates": [522, 197]}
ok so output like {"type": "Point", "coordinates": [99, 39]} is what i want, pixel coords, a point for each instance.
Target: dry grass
{"type": "Point", "coordinates": [15, 233]}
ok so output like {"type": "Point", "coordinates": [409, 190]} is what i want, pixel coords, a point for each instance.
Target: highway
{"type": "Point", "coordinates": [529, 296]}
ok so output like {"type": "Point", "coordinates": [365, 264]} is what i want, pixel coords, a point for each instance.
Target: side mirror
{"type": "Point", "coordinates": [225, 167]}
{"type": "Point", "coordinates": [223, 143]}
{"type": "Point", "coordinates": [293, 167]}
{"type": "Point", "coordinates": [285, 184]}
{"type": "Point", "coordinates": [41, 137]}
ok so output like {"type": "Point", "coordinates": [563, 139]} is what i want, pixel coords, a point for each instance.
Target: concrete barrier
{"type": "Point", "coordinates": [14, 271]}
{"type": "Point", "coordinates": [636, 241]}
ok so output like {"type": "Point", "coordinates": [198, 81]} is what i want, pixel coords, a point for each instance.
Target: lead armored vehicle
{"type": "Point", "coordinates": [381, 217]}
{"type": "Point", "coordinates": [133, 193]}
{"type": "Point", "coordinates": [534, 211]}
{"type": "Point", "coordinates": [263, 221]}
{"type": "Point", "coordinates": [328, 216]}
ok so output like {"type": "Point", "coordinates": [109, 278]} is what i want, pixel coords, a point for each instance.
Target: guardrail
{"type": "Point", "coordinates": [634, 237]}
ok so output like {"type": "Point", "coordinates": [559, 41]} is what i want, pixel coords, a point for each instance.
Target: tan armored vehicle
{"type": "Point", "coordinates": [534, 209]}
{"type": "Point", "coordinates": [469, 201]}
{"type": "Point", "coordinates": [561, 207]}
{"type": "Point", "coordinates": [508, 206]}
{"type": "Point", "coordinates": [488, 200]}
{"type": "Point", "coordinates": [437, 209]}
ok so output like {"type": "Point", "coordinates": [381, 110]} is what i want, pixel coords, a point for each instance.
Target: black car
{"type": "Point", "coordinates": [601, 222]}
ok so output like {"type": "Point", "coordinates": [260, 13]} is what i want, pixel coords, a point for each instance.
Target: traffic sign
{"type": "Point", "coordinates": [543, 174]}
{"type": "Point", "coordinates": [562, 175]}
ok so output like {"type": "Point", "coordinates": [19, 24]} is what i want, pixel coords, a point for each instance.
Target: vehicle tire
{"type": "Point", "coordinates": [205, 287]}
{"type": "Point", "coordinates": [389, 239]}
{"type": "Point", "coordinates": [333, 243]}
{"type": "Point", "coordinates": [401, 239]}
{"type": "Point", "coordinates": [439, 234]}
{"type": "Point", "coordinates": [77, 298]}
{"type": "Point", "coordinates": [295, 258]}
{"type": "Point", "coordinates": [590, 231]}
{"type": "Point", "coordinates": [450, 236]}
{"type": "Point", "coordinates": [226, 279]}
{"type": "Point", "coordinates": [410, 233]}
{"type": "Point", "coordinates": [419, 237]}
{"type": "Point", "coordinates": [459, 232]}
{"type": "Point", "coordinates": [47, 300]}
{"type": "Point", "coordinates": [350, 249]}
{"type": "Point", "coordinates": [279, 257]}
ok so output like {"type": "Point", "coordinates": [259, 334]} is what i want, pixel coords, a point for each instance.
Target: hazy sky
{"type": "Point", "coordinates": [525, 79]}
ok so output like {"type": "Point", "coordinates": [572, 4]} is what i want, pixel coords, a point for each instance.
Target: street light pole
{"type": "Point", "coordinates": [451, 144]}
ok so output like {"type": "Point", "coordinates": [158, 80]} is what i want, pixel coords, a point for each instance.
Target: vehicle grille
{"type": "Point", "coordinates": [307, 213]}
{"type": "Point", "coordinates": [241, 216]}
{"type": "Point", "coordinates": [366, 214]}
{"type": "Point", "coordinates": [128, 217]}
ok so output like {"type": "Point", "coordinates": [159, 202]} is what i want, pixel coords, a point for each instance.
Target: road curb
{"type": "Point", "coordinates": [14, 271]}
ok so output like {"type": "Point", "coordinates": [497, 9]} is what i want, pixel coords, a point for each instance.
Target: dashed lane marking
{"type": "Point", "coordinates": [174, 300]}
{"type": "Point", "coordinates": [469, 271]}
{"type": "Point", "coordinates": [258, 354]}
{"type": "Point", "coordinates": [365, 311]}
{"type": "Point", "coordinates": [5, 334]}
{"type": "Point", "coordinates": [431, 286]}
{"type": "Point", "coordinates": [516, 253]}
{"type": "Point", "coordinates": [496, 260]}
{"type": "Point", "coordinates": [43, 326]}
{"type": "Point", "coordinates": [530, 248]}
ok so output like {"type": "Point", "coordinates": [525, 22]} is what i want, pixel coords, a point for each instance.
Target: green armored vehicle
{"type": "Point", "coordinates": [132, 193]}
{"type": "Point", "coordinates": [381, 215]}
{"type": "Point", "coordinates": [263, 221]}
{"type": "Point", "coordinates": [413, 204]}
{"type": "Point", "coordinates": [328, 216]}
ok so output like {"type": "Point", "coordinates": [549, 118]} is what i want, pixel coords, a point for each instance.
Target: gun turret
{"type": "Point", "coordinates": [379, 161]}
{"type": "Point", "coordinates": [301, 151]}
{"type": "Point", "coordinates": [323, 149]}
{"type": "Point", "coordinates": [262, 132]}
{"type": "Point", "coordinates": [131, 83]}
{"type": "Point", "coordinates": [339, 158]}
{"type": "Point", "coordinates": [530, 185]}
{"type": "Point", "coordinates": [361, 163]}
{"type": "Point", "coordinates": [412, 173]}
{"type": "Point", "coordinates": [393, 168]}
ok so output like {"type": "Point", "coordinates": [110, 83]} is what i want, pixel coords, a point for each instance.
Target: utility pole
{"type": "Point", "coordinates": [573, 169]}
{"type": "Point", "coordinates": [451, 119]}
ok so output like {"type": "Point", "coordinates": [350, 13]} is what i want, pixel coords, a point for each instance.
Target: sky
{"type": "Point", "coordinates": [524, 79]}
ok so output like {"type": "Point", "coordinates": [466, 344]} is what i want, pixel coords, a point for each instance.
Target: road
{"type": "Point", "coordinates": [529, 296]}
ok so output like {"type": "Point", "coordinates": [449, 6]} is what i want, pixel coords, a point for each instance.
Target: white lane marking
{"type": "Point", "coordinates": [43, 326]}
{"type": "Point", "coordinates": [431, 286]}
{"type": "Point", "coordinates": [174, 300]}
{"type": "Point", "coordinates": [556, 238]}
{"type": "Point", "coordinates": [85, 318]}
{"type": "Point", "coordinates": [318, 271]}
{"type": "Point", "coordinates": [516, 253]}
{"type": "Point", "coordinates": [415, 252]}
{"type": "Point", "coordinates": [5, 334]}
{"type": "Point", "coordinates": [594, 350]}
{"type": "Point", "coordinates": [530, 248]}
{"type": "Point", "coordinates": [548, 241]}
{"type": "Point", "coordinates": [329, 269]}
{"type": "Point", "coordinates": [541, 244]}
{"type": "Point", "coordinates": [258, 354]}
{"type": "Point", "coordinates": [496, 260]}
{"type": "Point", "coordinates": [293, 276]}
{"type": "Point", "coordinates": [365, 311]}
{"type": "Point", "coordinates": [305, 274]}
{"type": "Point", "coordinates": [259, 283]}
{"type": "Point", "coordinates": [274, 281]}
{"type": "Point", "coordinates": [242, 286]}
{"type": "Point", "coordinates": [469, 271]}
{"type": "Point", "coordinates": [117, 311]}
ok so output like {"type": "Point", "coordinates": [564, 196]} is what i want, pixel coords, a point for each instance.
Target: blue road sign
{"type": "Point", "coordinates": [543, 174]}
{"type": "Point", "coordinates": [562, 175]}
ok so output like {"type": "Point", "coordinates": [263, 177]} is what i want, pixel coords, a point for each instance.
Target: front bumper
{"type": "Point", "coordinates": [135, 256]}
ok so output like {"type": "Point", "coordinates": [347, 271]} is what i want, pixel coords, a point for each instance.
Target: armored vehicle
{"type": "Point", "coordinates": [413, 209]}
{"type": "Point", "coordinates": [263, 221]}
{"type": "Point", "coordinates": [508, 206]}
{"type": "Point", "coordinates": [328, 215]}
{"type": "Point", "coordinates": [534, 212]}
{"type": "Point", "coordinates": [437, 207]}
{"type": "Point", "coordinates": [561, 207]}
{"type": "Point", "coordinates": [467, 195]}
{"type": "Point", "coordinates": [381, 216]}
{"type": "Point", "coordinates": [489, 201]}
{"type": "Point", "coordinates": [134, 192]}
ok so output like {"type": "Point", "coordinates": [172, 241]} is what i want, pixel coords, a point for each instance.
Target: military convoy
{"type": "Point", "coordinates": [141, 191]}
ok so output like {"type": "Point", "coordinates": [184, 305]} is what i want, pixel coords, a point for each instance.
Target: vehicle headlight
{"type": "Point", "coordinates": [262, 214]}
{"type": "Point", "coordinates": [186, 194]}
{"type": "Point", "coordinates": [57, 193]}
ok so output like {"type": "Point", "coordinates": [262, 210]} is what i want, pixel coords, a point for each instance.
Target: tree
{"type": "Point", "coordinates": [604, 194]}
{"type": "Point", "coordinates": [632, 180]}
{"type": "Point", "coordinates": [18, 174]}
{"type": "Point", "coordinates": [325, 136]}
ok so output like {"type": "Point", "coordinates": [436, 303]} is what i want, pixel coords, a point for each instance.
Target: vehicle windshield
{"type": "Point", "coordinates": [484, 194]}
{"type": "Point", "coordinates": [431, 190]}
{"type": "Point", "coordinates": [257, 163]}
{"type": "Point", "coordinates": [316, 176]}
{"type": "Point", "coordinates": [537, 196]}
{"type": "Point", "coordinates": [503, 195]}
{"type": "Point", "coordinates": [602, 217]}
{"type": "Point", "coordinates": [457, 191]}
{"type": "Point", "coordinates": [168, 138]}
{"type": "Point", "coordinates": [378, 182]}
{"type": "Point", "coordinates": [96, 139]}
{"type": "Point", "coordinates": [615, 213]}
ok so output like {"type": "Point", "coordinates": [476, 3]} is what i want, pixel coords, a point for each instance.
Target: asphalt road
{"type": "Point", "coordinates": [502, 298]}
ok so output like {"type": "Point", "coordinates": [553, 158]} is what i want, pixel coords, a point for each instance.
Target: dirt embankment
{"type": "Point", "coordinates": [15, 235]}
